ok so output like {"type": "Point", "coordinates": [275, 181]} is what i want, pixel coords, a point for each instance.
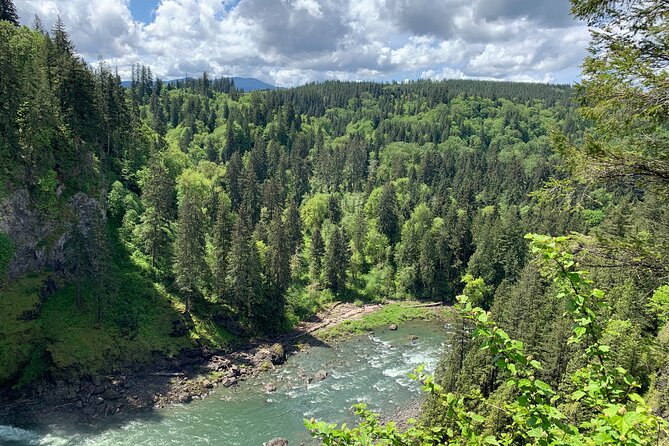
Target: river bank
{"type": "Point", "coordinates": [194, 374]}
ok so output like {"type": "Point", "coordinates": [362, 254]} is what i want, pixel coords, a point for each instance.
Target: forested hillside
{"type": "Point", "coordinates": [162, 216]}
{"type": "Point", "coordinates": [138, 222]}
{"type": "Point", "coordinates": [571, 347]}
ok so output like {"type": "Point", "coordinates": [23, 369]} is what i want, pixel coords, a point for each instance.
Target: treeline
{"type": "Point", "coordinates": [269, 204]}
{"type": "Point", "coordinates": [268, 211]}
{"type": "Point", "coordinates": [571, 347]}
{"type": "Point", "coordinates": [249, 211]}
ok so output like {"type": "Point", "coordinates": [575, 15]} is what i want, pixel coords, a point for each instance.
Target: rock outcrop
{"type": "Point", "coordinates": [39, 242]}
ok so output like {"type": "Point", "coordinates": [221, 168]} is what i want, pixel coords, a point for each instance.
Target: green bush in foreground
{"type": "Point", "coordinates": [617, 414]}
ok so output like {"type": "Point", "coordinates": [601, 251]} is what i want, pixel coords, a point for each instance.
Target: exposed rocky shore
{"type": "Point", "coordinates": [194, 374]}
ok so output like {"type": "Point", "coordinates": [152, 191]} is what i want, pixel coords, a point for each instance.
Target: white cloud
{"type": "Point", "coordinates": [290, 42]}
{"type": "Point", "coordinates": [311, 6]}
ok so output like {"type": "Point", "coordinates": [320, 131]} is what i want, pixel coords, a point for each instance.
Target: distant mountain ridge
{"type": "Point", "coordinates": [242, 83]}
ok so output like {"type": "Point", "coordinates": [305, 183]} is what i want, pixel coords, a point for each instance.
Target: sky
{"type": "Point", "coordinates": [291, 42]}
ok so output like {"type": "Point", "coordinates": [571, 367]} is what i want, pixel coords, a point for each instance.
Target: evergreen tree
{"type": "Point", "coordinates": [388, 213]}
{"type": "Point", "coordinates": [189, 245]}
{"type": "Point", "coordinates": [221, 240]}
{"type": "Point", "coordinates": [244, 275]}
{"type": "Point", "coordinates": [99, 256]}
{"type": "Point", "coordinates": [336, 261]}
{"type": "Point", "coordinates": [230, 146]}
{"type": "Point", "coordinates": [233, 179]}
{"type": "Point", "coordinates": [250, 194]}
{"type": "Point", "coordinates": [158, 200]}
{"type": "Point", "coordinates": [278, 276]}
{"type": "Point", "coordinates": [8, 12]}
{"type": "Point", "coordinates": [293, 224]}
{"type": "Point", "coordinates": [316, 253]}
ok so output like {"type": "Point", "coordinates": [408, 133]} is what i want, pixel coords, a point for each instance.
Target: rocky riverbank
{"type": "Point", "coordinates": [194, 374]}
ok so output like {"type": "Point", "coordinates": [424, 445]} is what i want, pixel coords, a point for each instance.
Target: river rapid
{"type": "Point", "coordinates": [368, 368]}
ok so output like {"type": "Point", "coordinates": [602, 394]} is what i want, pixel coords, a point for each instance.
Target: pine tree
{"type": "Point", "coordinates": [61, 39]}
{"type": "Point", "coordinates": [334, 209]}
{"type": "Point", "coordinates": [243, 277]}
{"type": "Point", "coordinates": [278, 276]}
{"type": "Point", "coordinates": [221, 240]}
{"type": "Point", "coordinates": [388, 213]}
{"type": "Point", "coordinates": [250, 194]}
{"type": "Point", "coordinates": [189, 247]}
{"type": "Point", "coordinates": [233, 179]}
{"type": "Point", "coordinates": [8, 12]}
{"type": "Point", "coordinates": [293, 223]}
{"type": "Point", "coordinates": [316, 253]}
{"type": "Point", "coordinates": [99, 257]}
{"type": "Point", "coordinates": [158, 201]}
{"type": "Point", "coordinates": [38, 25]}
{"type": "Point", "coordinates": [336, 261]}
{"type": "Point", "coordinates": [230, 146]}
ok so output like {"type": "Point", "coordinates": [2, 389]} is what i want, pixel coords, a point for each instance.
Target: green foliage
{"type": "Point", "coordinates": [613, 412]}
{"type": "Point", "coordinates": [257, 209]}
{"type": "Point", "coordinates": [659, 304]}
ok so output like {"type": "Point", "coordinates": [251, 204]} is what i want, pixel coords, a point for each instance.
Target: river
{"type": "Point", "coordinates": [369, 368]}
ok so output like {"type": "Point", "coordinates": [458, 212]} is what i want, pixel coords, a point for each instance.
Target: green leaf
{"type": "Point", "coordinates": [577, 395]}
{"type": "Point", "coordinates": [536, 364]}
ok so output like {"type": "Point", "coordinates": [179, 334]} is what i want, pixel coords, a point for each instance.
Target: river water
{"type": "Point", "coordinates": [369, 368]}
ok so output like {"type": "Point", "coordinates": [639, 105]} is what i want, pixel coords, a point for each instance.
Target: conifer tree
{"type": "Point", "coordinates": [221, 240]}
{"type": "Point", "coordinates": [293, 224]}
{"type": "Point", "coordinates": [244, 276]}
{"type": "Point", "coordinates": [8, 12]}
{"type": "Point", "coordinates": [250, 194]}
{"type": "Point", "coordinates": [78, 262]}
{"type": "Point", "coordinates": [189, 245]}
{"type": "Point", "coordinates": [278, 276]}
{"type": "Point", "coordinates": [316, 253]}
{"type": "Point", "coordinates": [230, 146]}
{"type": "Point", "coordinates": [158, 201]}
{"type": "Point", "coordinates": [388, 213]}
{"type": "Point", "coordinates": [336, 261]}
{"type": "Point", "coordinates": [233, 179]}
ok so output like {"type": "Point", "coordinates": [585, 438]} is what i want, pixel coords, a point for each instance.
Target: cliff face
{"type": "Point", "coordinates": [39, 242]}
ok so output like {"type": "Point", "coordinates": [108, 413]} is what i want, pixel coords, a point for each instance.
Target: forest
{"type": "Point", "coordinates": [162, 216]}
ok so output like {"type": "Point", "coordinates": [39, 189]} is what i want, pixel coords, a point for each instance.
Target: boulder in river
{"type": "Point", "coordinates": [185, 398]}
{"type": "Point", "coordinates": [229, 381]}
{"type": "Point", "coordinates": [320, 375]}
{"type": "Point", "coordinates": [270, 387]}
{"type": "Point", "coordinates": [277, 354]}
{"type": "Point", "coordinates": [392, 327]}
{"type": "Point", "coordinates": [277, 442]}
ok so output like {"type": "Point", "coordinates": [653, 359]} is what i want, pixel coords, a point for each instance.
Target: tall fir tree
{"type": "Point", "coordinates": [8, 12]}
{"type": "Point", "coordinates": [190, 247]}
{"type": "Point", "coordinates": [388, 213]}
{"type": "Point", "coordinates": [335, 263]}
{"type": "Point", "coordinates": [221, 240]}
{"type": "Point", "coordinates": [158, 200]}
{"type": "Point", "coordinates": [244, 273]}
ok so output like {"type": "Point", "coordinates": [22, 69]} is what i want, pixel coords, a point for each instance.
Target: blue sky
{"type": "Point", "coordinates": [143, 10]}
{"type": "Point", "coordinates": [290, 42]}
